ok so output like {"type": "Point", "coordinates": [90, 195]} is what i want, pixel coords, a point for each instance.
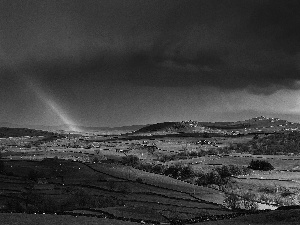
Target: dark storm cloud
{"type": "Point", "coordinates": [230, 44]}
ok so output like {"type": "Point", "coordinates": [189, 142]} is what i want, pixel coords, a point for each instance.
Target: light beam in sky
{"type": "Point", "coordinates": [46, 99]}
{"type": "Point", "coordinates": [37, 89]}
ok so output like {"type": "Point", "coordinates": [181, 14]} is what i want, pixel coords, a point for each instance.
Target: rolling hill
{"type": "Point", "coordinates": [254, 125]}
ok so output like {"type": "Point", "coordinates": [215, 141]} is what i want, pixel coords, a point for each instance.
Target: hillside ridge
{"type": "Point", "coordinates": [254, 125]}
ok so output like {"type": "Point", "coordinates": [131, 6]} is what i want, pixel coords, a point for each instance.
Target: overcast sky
{"type": "Point", "coordinates": [122, 62]}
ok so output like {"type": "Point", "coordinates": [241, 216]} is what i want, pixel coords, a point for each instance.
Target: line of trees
{"type": "Point", "coordinates": [190, 154]}
{"type": "Point", "coordinates": [218, 176]}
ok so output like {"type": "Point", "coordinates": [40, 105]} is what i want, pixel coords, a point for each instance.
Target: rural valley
{"type": "Point", "coordinates": [157, 112]}
{"type": "Point", "coordinates": [168, 173]}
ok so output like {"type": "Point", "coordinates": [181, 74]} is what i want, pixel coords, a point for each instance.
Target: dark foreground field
{"type": "Point", "coordinates": [104, 190]}
{"type": "Point", "coordinates": [31, 219]}
{"type": "Point", "coordinates": [277, 217]}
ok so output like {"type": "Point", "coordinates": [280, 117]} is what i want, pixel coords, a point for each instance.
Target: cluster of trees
{"type": "Point", "coordinates": [179, 171]}
{"type": "Point", "coordinates": [220, 175]}
{"type": "Point", "coordinates": [273, 144]}
{"type": "Point", "coordinates": [152, 168]}
{"type": "Point", "coordinates": [260, 165]}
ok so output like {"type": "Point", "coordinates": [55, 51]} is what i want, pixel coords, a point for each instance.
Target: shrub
{"type": "Point", "coordinates": [249, 201]}
{"type": "Point", "coordinates": [186, 171]}
{"type": "Point", "coordinates": [244, 201]}
{"type": "Point", "coordinates": [233, 201]}
{"type": "Point", "coordinates": [224, 171]}
{"type": "Point", "coordinates": [212, 177]}
{"type": "Point", "coordinates": [260, 165]}
{"type": "Point", "coordinates": [130, 160]}
{"type": "Point", "coordinates": [172, 171]}
{"type": "Point", "coordinates": [179, 171]}
{"type": "Point", "coordinates": [159, 169]}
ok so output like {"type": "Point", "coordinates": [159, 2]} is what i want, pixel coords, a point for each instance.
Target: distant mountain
{"type": "Point", "coordinates": [259, 124]}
